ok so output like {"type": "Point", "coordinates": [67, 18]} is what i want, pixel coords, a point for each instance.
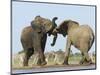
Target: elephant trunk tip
{"type": "Point", "coordinates": [55, 18]}
{"type": "Point", "coordinates": [53, 21]}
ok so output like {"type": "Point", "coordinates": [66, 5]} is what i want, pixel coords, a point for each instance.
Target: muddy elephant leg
{"type": "Point", "coordinates": [38, 47]}
{"type": "Point", "coordinates": [43, 43]}
{"type": "Point", "coordinates": [28, 53]}
{"type": "Point", "coordinates": [41, 52]}
{"type": "Point", "coordinates": [67, 52]}
{"type": "Point", "coordinates": [41, 58]}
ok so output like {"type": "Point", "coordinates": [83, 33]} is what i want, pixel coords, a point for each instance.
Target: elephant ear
{"type": "Point", "coordinates": [37, 27]}
{"type": "Point", "coordinates": [65, 26]}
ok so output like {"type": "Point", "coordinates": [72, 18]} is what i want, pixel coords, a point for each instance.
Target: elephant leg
{"type": "Point", "coordinates": [43, 43]}
{"type": "Point", "coordinates": [83, 59]}
{"type": "Point", "coordinates": [25, 61]}
{"type": "Point", "coordinates": [85, 48]}
{"type": "Point", "coordinates": [67, 52]}
{"type": "Point", "coordinates": [28, 53]}
{"type": "Point", "coordinates": [41, 52]}
{"type": "Point", "coordinates": [41, 58]}
{"type": "Point", "coordinates": [87, 58]}
{"type": "Point", "coordinates": [38, 47]}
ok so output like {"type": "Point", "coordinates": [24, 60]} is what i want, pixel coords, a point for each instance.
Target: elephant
{"type": "Point", "coordinates": [33, 38]}
{"type": "Point", "coordinates": [80, 36]}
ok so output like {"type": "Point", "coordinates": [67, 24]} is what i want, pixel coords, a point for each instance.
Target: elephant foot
{"type": "Point", "coordinates": [25, 64]}
{"type": "Point", "coordinates": [43, 63]}
{"type": "Point", "coordinates": [86, 62]}
{"type": "Point", "coordinates": [90, 62]}
{"type": "Point", "coordinates": [65, 63]}
{"type": "Point", "coordinates": [81, 62]}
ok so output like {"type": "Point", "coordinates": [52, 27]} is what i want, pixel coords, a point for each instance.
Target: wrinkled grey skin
{"type": "Point", "coordinates": [33, 38]}
{"type": "Point", "coordinates": [81, 37]}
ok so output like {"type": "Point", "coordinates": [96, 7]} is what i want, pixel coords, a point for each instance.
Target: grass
{"type": "Point", "coordinates": [73, 59]}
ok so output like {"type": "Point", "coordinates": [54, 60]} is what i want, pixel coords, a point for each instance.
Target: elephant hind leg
{"type": "Point", "coordinates": [85, 56]}
{"type": "Point", "coordinates": [28, 53]}
{"type": "Point", "coordinates": [85, 59]}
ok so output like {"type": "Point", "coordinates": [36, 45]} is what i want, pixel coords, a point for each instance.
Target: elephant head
{"type": "Point", "coordinates": [65, 28]}
{"type": "Point", "coordinates": [44, 25]}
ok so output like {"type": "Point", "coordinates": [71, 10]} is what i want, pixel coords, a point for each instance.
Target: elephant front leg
{"type": "Point", "coordinates": [67, 52]}
{"type": "Point", "coordinates": [41, 58]}
{"type": "Point", "coordinates": [39, 48]}
{"type": "Point", "coordinates": [43, 43]}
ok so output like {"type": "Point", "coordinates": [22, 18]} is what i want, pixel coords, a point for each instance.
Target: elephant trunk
{"type": "Point", "coordinates": [53, 21]}
{"type": "Point", "coordinates": [54, 40]}
{"type": "Point", "coordinates": [54, 25]}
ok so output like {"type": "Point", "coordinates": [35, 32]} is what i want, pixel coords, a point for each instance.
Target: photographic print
{"type": "Point", "coordinates": [52, 37]}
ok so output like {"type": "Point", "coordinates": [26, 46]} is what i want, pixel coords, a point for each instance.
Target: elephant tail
{"type": "Point", "coordinates": [91, 39]}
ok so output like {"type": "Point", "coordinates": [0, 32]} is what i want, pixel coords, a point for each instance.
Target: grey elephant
{"type": "Point", "coordinates": [33, 38]}
{"type": "Point", "coordinates": [80, 36]}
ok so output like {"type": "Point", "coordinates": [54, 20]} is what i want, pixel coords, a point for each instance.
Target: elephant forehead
{"type": "Point", "coordinates": [45, 22]}
{"type": "Point", "coordinates": [48, 25]}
